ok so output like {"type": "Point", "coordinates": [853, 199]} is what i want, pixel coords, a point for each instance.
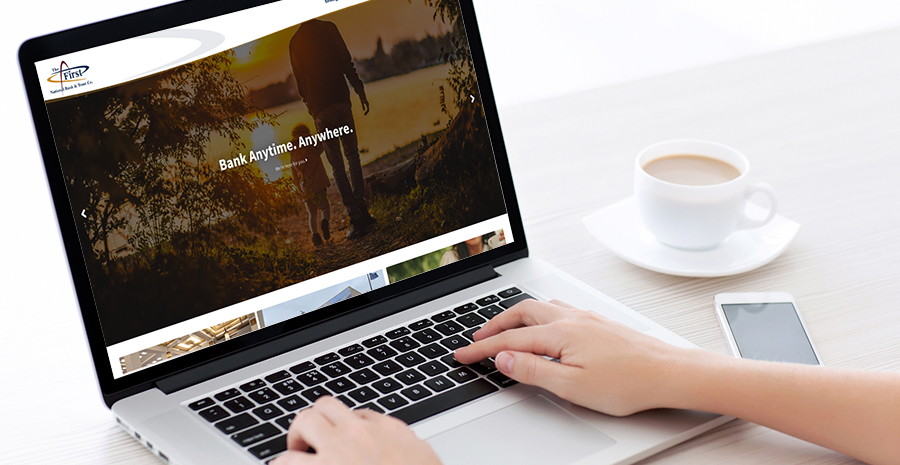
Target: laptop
{"type": "Point", "coordinates": [264, 202]}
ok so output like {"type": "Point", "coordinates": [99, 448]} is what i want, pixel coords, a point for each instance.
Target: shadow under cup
{"type": "Point", "coordinates": [696, 217]}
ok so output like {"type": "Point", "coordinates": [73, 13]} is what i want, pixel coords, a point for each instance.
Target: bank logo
{"type": "Point", "coordinates": [66, 74]}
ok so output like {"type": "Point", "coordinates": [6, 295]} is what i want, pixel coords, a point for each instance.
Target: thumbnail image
{"type": "Point", "coordinates": [331, 142]}
{"type": "Point", "coordinates": [186, 344]}
{"type": "Point", "coordinates": [445, 256]}
{"type": "Point", "coordinates": [322, 298]}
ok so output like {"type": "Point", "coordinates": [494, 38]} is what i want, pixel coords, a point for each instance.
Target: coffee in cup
{"type": "Point", "coordinates": [692, 194]}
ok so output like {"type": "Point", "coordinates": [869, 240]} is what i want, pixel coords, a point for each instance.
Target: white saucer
{"type": "Point", "coordinates": [620, 229]}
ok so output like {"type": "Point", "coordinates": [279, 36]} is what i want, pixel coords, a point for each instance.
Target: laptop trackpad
{"type": "Point", "coordinates": [534, 431]}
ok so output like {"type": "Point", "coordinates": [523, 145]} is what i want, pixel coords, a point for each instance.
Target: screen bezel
{"type": "Point", "coordinates": [349, 313]}
{"type": "Point", "coordinates": [749, 298]}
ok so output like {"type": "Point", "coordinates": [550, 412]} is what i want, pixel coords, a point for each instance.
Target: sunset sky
{"type": "Point", "coordinates": [266, 60]}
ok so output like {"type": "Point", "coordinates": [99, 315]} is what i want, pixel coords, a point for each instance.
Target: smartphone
{"type": "Point", "coordinates": [765, 326]}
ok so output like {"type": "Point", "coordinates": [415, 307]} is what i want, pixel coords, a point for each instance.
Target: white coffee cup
{"type": "Point", "coordinates": [697, 217]}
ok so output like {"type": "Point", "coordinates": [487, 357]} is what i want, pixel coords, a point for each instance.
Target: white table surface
{"type": "Point", "coordinates": [820, 123]}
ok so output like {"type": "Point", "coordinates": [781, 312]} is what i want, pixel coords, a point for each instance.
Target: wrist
{"type": "Point", "coordinates": [694, 378]}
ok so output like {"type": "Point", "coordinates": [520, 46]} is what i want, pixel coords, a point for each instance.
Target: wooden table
{"type": "Point", "coordinates": [820, 123]}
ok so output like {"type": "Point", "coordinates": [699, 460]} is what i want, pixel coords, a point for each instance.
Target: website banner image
{"type": "Point", "coordinates": [298, 154]}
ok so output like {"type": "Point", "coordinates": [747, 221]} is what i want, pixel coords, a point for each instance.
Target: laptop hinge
{"type": "Point", "coordinates": [324, 329]}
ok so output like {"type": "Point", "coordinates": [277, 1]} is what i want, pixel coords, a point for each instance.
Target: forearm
{"type": "Point", "coordinates": [854, 412]}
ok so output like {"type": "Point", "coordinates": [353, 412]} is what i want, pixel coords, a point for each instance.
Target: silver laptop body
{"type": "Point", "coordinates": [183, 406]}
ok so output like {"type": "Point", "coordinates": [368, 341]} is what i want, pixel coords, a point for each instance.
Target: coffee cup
{"type": "Point", "coordinates": [693, 194]}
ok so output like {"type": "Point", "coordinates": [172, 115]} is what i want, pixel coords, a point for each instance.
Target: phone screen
{"type": "Point", "coordinates": [769, 331]}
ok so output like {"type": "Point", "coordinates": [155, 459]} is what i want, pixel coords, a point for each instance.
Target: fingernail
{"type": "Point", "coordinates": [504, 362]}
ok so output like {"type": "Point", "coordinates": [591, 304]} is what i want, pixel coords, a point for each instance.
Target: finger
{"type": "Point", "coordinates": [539, 340]}
{"type": "Point", "coordinates": [367, 414]}
{"type": "Point", "coordinates": [334, 410]}
{"type": "Point", "coordinates": [293, 457]}
{"type": "Point", "coordinates": [310, 429]}
{"type": "Point", "coordinates": [535, 370]}
{"type": "Point", "coordinates": [563, 304]}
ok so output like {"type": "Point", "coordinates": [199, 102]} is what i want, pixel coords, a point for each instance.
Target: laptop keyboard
{"type": "Point", "coordinates": [407, 372]}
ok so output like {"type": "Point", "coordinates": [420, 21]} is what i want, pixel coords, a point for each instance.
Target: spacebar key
{"type": "Point", "coordinates": [444, 401]}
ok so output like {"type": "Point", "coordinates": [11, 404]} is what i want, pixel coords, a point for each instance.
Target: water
{"type": "Point", "coordinates": [402, 108]}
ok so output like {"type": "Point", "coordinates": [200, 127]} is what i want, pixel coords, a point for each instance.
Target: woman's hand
{"type": "Point", "coordinates": [603, 365]}
{"type": "Point", "coordinates": [343, 437]}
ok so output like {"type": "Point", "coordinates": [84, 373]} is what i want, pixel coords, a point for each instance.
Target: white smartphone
{"type": "Point", "coordinates": [765, 326]}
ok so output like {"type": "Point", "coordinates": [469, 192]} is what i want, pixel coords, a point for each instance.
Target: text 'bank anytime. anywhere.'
{"type": "Point", "coordinates": [273, 150]}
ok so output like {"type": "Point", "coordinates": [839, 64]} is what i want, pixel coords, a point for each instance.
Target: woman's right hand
{"type": "Point", "coordinates": [603, 365]}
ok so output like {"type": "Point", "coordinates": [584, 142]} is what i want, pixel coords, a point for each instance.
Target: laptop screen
{"type": "Point", "coordinates": [237, 172]}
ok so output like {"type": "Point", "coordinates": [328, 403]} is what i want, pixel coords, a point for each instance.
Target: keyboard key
{"type": "Point", "coordinates": [311, 378]}
{"type": "Point", "coordinates": [432, 351]}
{"type": "Point", "coordinates": [410, 359]}
{"type": "Point", "coordinates": [214, 413]}
{"type": "Point", "coordinates": [292, 403]}
{"type": "Point", "coordinates": [235, 424]}
{"type": "Point", "coordinates": [350, 350]}
{"type": "Point", "coordinates": [420, 325]}
{"type": "Point", "coordinates": [267, 412]}
{"type": "Point", "coordinates": [443, 316]}
{"type": "Point", "coordinates": [502, 380]}
{"type": "Point", "coordinates": [490, 312]}
{"type": "Point", "coordinates": [364, 394]}
{"type": "Point", "coordinates": [471, 320]}
{"type": "Point", "coordinates": [270, 448]}
{"type": "Point", "coordinates": [364, 376]}
{"type": "Point", "coordinates": [444, 401]}
{"type": "Point", "coordinates": [263, 395]}
{"type": "Point", "coordinates": [370, 406]}
{"type": "Point", "coordinates": [439, 384]}
{"type": "Point", "coordinates": [462, 375]}
{"type": "Point", "coordinates": [410, 377]}
{"type": "Point", "coordinates": [470, 333]}
{"type": "Point", "coordinates": [349, 403]}
{"type": "Point", "coordinates": [358, 361]}
{"type": "Point", "coordinates": [276, 377]}
{"type": "Point", "coordinates": [465, 309]}
{"type": "Point", "coordinates": [392, 401]}
{"type": "Point", "coordinates": [450, 361]}
{"type": "Point", "coordinates": [509, 292]}
{"type": "Point", "coordinates": [448, 328]}
{"type": "Point", "coordinates": [314, 393]}
{"type": "Point", "coordinates": [238, 404]}
{"type": "Point", "coordinates": [340, 385]}
{"type": "Point", "coordinates": [202, 404]}
{"type": "Point", "coordinates": [455, 342]}
{"type": "Point", "coordinates": [399, 332]}
{"type": "Point", "coordinates": [404, 344]}
{"type": "Point", "coordinates": [327, 358]}
{"type": "Point", "coordinates": [253, 385]}
{"type": "Point", "coordinates": [387, 367]}
{"type": "Point", "coordinates": [510, 302]}
{"type": "Point", "coordinates": [484, 367]}
{"type": "Point", "coordinates": [485, 301]}
{"type": "Point", "coordinates": [335, 369]}
{"type": "Point", "coordinates": [375, 341]}
{"type": "Point", "coordinates": [416, 392]}
{"type": "Point", "coordinates": [302, 368]}
{"type": "Point", "coordinates": [227, 394]}
{"type": "Point", "coordinates": [256, 434]}
{"type": "Point", "coordinates": [427, 336]}
{"type": "Point", "coordinates": [287, 386]}
{"type": "Point", "coordinates": [433, 368]}
{"type": "Point", "coordinates": [285, 421]}
{"type": "Point", "coordinates": [382, 352]}
{"type": "Point", "coordinates": [386, 385]}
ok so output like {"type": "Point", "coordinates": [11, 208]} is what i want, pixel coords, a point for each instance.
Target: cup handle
{"type": "Point", "coordinates": [749, 223]}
